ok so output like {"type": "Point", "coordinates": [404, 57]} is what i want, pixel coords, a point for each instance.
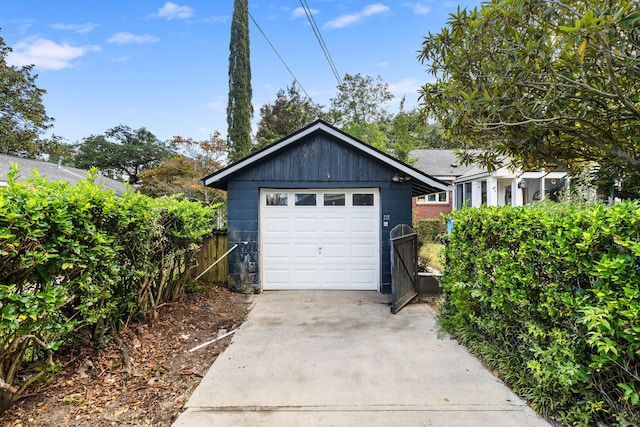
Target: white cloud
{"type": "Point", "coordinates": [406, 86]}
{"type": "Point", "coordinates": [171, 10]}
{"type": "Point", "coordinates": [352, 18]}
{"type": "Point", "coordinates": [215, 19]}
{"type": "Point", "coordinates": [77, 28]}
{"type": "Point", "coordinates": [216, 105]}
{"type": "Point", "coordinates": [124, 38]}
{"type": "Point", "coordinates": [419, 8]}
{"type": "Point", "coordinates": [299, 12]}
{"type": "Point", "coordinates": [47, 54]}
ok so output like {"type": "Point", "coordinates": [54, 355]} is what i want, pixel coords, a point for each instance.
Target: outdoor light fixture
{"type": "Point", "coordinates": [400, 177]}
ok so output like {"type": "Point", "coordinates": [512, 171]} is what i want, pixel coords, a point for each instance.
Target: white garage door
{"type": "Point", "coordinates": [320, 239]}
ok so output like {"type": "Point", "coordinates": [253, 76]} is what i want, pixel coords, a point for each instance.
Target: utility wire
{"type": "Point", "coordinates": [295, 79]}
{"type": "Point", "coordinates": [323, 46]}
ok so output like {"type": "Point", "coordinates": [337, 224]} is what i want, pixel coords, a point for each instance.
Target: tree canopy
{"type": "Point", "coordinates": [360, 99]}
{"type": "Point", "coordinates": [239, 107]}
{"type": "Point", "coordinates": [183, 173]}
{"type": "Point", "coordinates": [360, 109]}
{"type": "Point", "coordinates": [540, 82]}
{"type": "Point", "coordinates": [23, 118]}
{"type": "Point", "coordinates": [122, 151]}
{"type": "Point", "coordinates": [289, 112]}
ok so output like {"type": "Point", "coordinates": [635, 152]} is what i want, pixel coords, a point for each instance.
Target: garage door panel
{"type": "Point", "coordinates": [363, 251]}
{"type": "Point", "coordinates": [362, 276]}
{"type": "Point", "coordinates": [335, 277]}
{"type": "Point", "coordinates": [320, 247]}
{"type": "Point", "coordinates": [305, 225]}
{"type": "Point", "coordinates": [277, 250]}
{"type": "Point", "coordinates": [334, 225]}
{"type": "Point", "coordinates": [277, 276]}
{"type": "Point", "coordinates": [304, 250]}
{"type": "Point", "coordinates": [305, 277]}
{"type": "Point", "coordinates": [276, 225]}
{"type": "Point", "coordinates": [337, 250]}
{"type": "Point", "coordinates": [363, 225]}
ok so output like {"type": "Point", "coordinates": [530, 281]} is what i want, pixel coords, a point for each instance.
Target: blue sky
{"type": "Point", "coordinates": [163, 65]}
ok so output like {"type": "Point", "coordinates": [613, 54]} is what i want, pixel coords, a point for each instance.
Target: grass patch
{"type": "Point", "coordinates": [430, 255]}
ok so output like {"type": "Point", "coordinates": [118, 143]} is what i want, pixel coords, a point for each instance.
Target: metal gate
{"type": "Point", "coordinates": [404, 266]}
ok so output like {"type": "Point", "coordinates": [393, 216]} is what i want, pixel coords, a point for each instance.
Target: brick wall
{"type": "Point", "coordinates": [430, 210]}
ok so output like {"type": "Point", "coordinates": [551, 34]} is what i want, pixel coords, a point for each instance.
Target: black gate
{"type": "Point", "coordinates": [404, 266]}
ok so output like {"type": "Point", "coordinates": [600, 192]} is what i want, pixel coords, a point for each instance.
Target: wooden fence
{"type": "Point", "coordinates": [212, 249]}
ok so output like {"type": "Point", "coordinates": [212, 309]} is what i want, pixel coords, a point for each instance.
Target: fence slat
{"type": "Point", "coordinates": [211, 249]}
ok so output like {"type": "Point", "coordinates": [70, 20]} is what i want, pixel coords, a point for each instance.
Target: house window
{"type": "Point", "coordinates": [334, 199]}
{"type": "Point", "coordinates": [507, 195]}
{"type": "Point", "coordinates": [305, 199]}
{"type": "Point", "coordinates": [483, 192]}
{"type": "Point", "coordinates": [277, 199]}
{"type": "Point", "coordinates": [442, 197]}
{"type": "Point", "coordinates": [467, 194]}
{"type": "Point", "coordinates": [459, 196]}
{"type": "Point", "coordinates": [553, 188]}
{"type": "Point", "coordinates": [362, 199]}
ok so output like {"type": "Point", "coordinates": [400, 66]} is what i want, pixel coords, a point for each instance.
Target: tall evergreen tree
{"type": "Point", "coordinates": [239, 108]}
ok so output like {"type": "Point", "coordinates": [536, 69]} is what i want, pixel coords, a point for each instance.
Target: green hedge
{"type": "Point", "coordinates": [77, 262]}
{"type": "Point", "coordinates": [549, 296]}
{"type": "Point", "coordinates": [428, 230]}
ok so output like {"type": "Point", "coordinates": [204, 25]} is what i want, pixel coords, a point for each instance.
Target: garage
{"type": "Point", "coordinates": [314, 211]}
{"type": "Point", "coordinates": [319, 238]}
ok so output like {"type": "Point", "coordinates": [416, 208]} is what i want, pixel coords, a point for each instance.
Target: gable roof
{"type": "Point", "coordinates": [441, 163]}
{"type": "Point", "coordinates": [53, 172]}
{"type": "Point", "coordinates": [420, 181]}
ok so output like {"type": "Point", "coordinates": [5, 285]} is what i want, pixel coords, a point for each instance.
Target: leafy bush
{"type": "Point", "coordinates": [549, 295]}
{"type": "Point", "coordinates": [77, 261]}
{"type": "Point", "coordinates": [428, 230]}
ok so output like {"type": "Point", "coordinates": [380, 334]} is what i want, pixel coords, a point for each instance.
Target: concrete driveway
{"type": "Point", "coordinates": [325, 358]}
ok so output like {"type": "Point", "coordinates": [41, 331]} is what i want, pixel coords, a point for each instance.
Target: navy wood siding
{"type": "Point", "coordinates": [318, 161]}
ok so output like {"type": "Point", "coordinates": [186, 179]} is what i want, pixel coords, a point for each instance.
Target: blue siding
{"type": "Point", "coordinates": [319, 161]}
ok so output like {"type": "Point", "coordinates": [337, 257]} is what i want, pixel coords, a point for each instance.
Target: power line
{"type": "Point", "coordinates": [323, 46]}
{"type": "Point", "coordinates": [295, 79]}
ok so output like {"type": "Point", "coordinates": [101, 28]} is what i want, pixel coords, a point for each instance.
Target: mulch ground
{"type": "Point", "coordinates": [95, 387]}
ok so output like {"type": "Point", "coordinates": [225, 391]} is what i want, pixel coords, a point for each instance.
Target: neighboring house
{"type": "Point", "coordinates": [505, 187]}
{"type": "Point", "coordinates": [314, 211]}
{"type": "Point", "coordinates": [472, 185]}
{"type": "Point", "coordinates": [444, 166]}
{"type": "Point", "coordinates": [52, 172]}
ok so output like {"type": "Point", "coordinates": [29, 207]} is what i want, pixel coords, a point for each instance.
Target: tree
{"type": "Point", "coordinates": [239, 108]}
{"type": "Point", "coordinates": [122, 151]}
{"type": "Point", "coordinates": [360, 99]}
{"type": "Point", "coordinates": [409, 130]}
{"type": "Point", "coordinates": [545, 83]}
{"type": "Point", "coordinates": [22, 115]}
{"type": "Point", "coordinates": [183, 174]}
{"type": "Point", "coordinates": [289, 112]}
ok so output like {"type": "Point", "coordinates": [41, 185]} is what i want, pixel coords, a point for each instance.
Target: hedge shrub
{"type": "Point", "coordinates": [428, 230]}
{"type": "Point", "coordinates": [78, 261]}
{"type": "Point", "coordinates": [549, 296]}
